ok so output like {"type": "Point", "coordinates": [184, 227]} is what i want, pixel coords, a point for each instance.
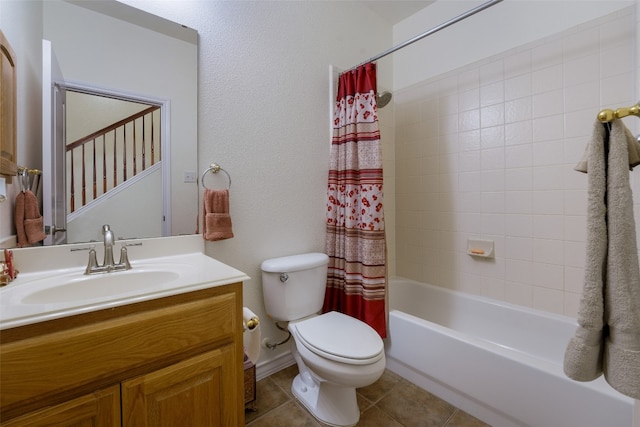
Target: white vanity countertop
{"type": "Point", "coordinates": [161, 267]}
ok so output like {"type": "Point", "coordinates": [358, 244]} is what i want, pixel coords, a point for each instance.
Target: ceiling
{"type": "Point", "coordinates": [395, 11]}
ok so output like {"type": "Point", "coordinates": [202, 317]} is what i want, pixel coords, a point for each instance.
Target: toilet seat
{"type": "Point", "coordinates": [339, 337]}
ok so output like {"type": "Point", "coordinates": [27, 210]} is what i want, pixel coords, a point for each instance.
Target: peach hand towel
{"type": "Point", "coordinates": [29, 222]}
{"type": "Point", "coordinates": [217, 221]}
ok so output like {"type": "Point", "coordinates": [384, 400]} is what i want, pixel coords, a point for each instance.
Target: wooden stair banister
{"type": "Point", "coordinates": [125, 158]}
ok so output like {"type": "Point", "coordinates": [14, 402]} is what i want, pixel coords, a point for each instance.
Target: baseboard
{"type": "Point", "coordinates": [274, 365]}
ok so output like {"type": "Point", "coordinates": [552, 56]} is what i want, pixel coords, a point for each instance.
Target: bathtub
{"type": "Point", "coordinates": [501, 363]}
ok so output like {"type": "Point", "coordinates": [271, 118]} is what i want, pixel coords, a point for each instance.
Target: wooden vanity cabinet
{"type": "Point", "coordinates": [166, 362]}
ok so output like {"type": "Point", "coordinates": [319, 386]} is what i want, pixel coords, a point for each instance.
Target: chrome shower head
{"type": "Point", "coordinates": [383, 98]}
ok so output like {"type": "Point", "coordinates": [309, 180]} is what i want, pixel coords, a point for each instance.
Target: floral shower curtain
{"type": "Point", "coordinates": [356, 282]}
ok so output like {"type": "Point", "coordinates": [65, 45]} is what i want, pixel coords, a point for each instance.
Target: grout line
{"type": "Point", "coordinates": [448, 420]}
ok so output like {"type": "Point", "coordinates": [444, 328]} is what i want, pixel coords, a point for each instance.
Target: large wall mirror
{"type": "Point", "coordinates": [117, 62]}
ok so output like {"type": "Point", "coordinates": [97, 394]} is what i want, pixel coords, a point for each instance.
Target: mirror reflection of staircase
{"type": "Point", "coordinates": [112, 157]}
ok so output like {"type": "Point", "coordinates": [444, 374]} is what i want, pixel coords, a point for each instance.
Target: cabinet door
{"type": "Point", "coordinates": [201, 391]}
{"type": "Point", "coordinates": [99, 409]}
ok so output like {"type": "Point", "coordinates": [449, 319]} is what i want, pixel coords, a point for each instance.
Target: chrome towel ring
{"type": "Point", "coordinates": [215, 168]}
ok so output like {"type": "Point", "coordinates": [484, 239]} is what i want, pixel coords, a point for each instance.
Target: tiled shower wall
{"type": "Point", "coordinates": [487, 151]}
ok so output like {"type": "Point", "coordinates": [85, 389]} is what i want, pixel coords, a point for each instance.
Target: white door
{"type": "Point", "coordinates": [54, 209]}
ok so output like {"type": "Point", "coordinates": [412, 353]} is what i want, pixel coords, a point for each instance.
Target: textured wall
{"type": "Point", "coordinates": [263, 116]}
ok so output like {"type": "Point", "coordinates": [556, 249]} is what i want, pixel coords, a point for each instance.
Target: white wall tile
{"type": "Point", "coordinates": [548, 177]}
{"type": "Point", "coordinates": [520, 132]}
{"type": "Point", "coordinates": [469, 99]}
{"type": "Point", "coordinates": [493, 223]}
{"type": "Point", "coordinates": [616, 60]}
{"type": "Point", "coordinates": [548, 300]}
{"type": "Point", "coordinates": [492, 93]}
{"type": "Point", "coordinates": [518, 87]}
{"type": "Point", "coordinates": [575, 202]}
{"type": "Point", "coordinates": [546, 55]}
{"type": "Point", "coordinates": [469, 140]}
{"type": "Point", "coordinates": [548, 153]}
{"type": "Point", "coordinates": [518, 156]}
{"type": "Point", "coordinates": [548, 251]}
{"type": "Point", "coordinates": [581, 70]}
{"type": "Point", "coordinates": [547, 79]}
{"type": "Point", "coordinates": [615, 90]}
{"type": "Point", "coordinates": [519, 202]}
{"type": "Point", "coordinates": [548, 128]}
{"type": "Point", "coordinates": [617, 31]}
{"type": "Point", "coordinates": [492, 72]}
{"type": "Point", "coordinates": [518, 293]}
{"type": "Point", "coordinates": [469, 120]}
{"type": "Point", "coordinates": [491, 155]}
{"type": "Point", "coordinates": [548, 226]}
{"type": "Point", "coordinates": [549, 103]}
{"type": "Point", "coordinates": [468, 79]}
{"type": "Point", "coordinates": [582, 43]}
{"type": "Point", "coordinates": [582, 96]}
{"type": "Point", "coordinates": [518, 225]}
{"type": "Point", "coordinates": [493, 180]}
{"type": "Point", "coordinates": [447, 124]}
{"type": "Point", "coordinates": [493, 202]}
{"type": "Point", "coordinates": [448, 105]}
{"type": "Point", "coordinates": [492, 137]}
{"type": "Point", "coordinates": [574, 254]}
{"type": "Point", "coordinates": [520, 248]}
{"type": "Point", "coordinates": [519, 271]}
{"type": "Point", "coordinates": [470, 181]}
{"type": "Point", "coordinates": [517, 64]}
{"type": "Point", "coordinates": [573, 279]}
{"type": "Point", "coordinates": [517, 110]}
{"type": "Point", "coordinates": [548, 202]}
{"type": "Point", "coordinates": [548, 275]}
{"type": "Point", "coordinates": [492, 158]}
{"type": "Point", "coordinates": [469, 161]}
{"type": "Point", "coordinates": [575, 228]}
{"type": "Point", "coordinates": [519, 179]}
{"type": "Point", "coordinates": [492, 115]}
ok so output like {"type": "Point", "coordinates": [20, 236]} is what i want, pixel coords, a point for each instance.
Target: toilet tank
{"type": "Point", "coordinates": [294, 286]}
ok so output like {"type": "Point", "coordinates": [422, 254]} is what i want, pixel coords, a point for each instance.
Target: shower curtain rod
{"type": "Point", "coordinates": [444, 25]}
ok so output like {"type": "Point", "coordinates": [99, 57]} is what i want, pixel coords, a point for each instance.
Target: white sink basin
{"type": "Point", "coordinates": [60, 290]}
{"type": "Point", "coordinates": [78, 288]}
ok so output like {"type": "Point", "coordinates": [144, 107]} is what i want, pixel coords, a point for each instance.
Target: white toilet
{"type": "Point", "coordinates": [335, 353]}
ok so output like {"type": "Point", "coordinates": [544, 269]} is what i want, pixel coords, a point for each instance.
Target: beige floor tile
{"type": "Point", "coordinates": [285, 377]}
{"type": "Point", "coordinates": [462, 419]}
{"type": "Point", "coordinates": [414, 407]}
{"type": "Point", "coordinates": [380, 388]}
{"type": "Point", "coordinates": [287, 415]}
{"type": "Point", "coordinates": [390, 402]}
{"type": "Point", "coordinates": [374, 417]}
{"type": "Point", "coordinates": [269, 396]}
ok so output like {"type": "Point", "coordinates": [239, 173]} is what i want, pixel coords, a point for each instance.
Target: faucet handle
{"type": "Point", "coordinates": [124, 258]}
{"type": "Point", "coordinates": [93, 261]}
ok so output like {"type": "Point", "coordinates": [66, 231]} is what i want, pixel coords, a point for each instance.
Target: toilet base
{"type": "Point", "coordinates": [329, 403]}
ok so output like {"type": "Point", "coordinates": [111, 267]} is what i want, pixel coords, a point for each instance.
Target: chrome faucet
{"type": "Point", "coordinates": [108, 264]}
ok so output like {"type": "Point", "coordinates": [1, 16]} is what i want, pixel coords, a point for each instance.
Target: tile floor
{"type": "Point", "coordinates": [390, 402]}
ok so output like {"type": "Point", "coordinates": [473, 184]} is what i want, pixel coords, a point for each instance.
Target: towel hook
{"type": "Point", "coordinates": [215, 168]}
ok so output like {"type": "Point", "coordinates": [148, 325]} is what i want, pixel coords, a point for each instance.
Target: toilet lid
{"type": "Point", "coordinates": [340, 337]}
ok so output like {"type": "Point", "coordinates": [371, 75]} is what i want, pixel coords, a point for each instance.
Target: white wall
{"type": "Point", "coordinates": [487, 150]}
{"type": "Point", "coordinates": [263, 116]}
